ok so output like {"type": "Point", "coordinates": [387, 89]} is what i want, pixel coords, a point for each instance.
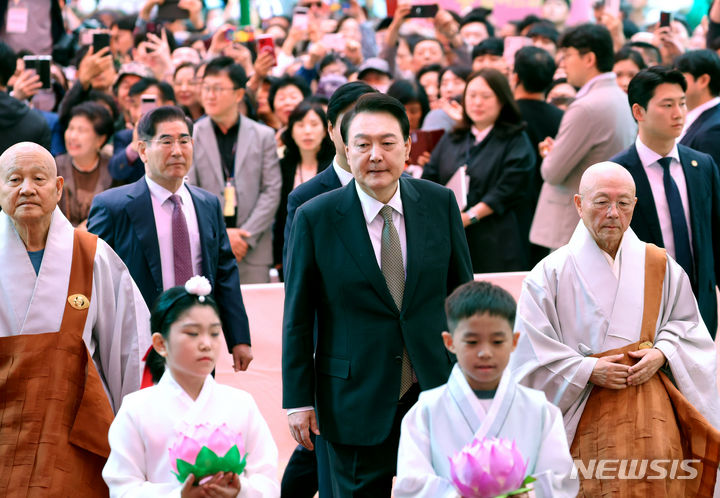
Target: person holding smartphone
{"type": "Point", "coordinates": [18, 122]}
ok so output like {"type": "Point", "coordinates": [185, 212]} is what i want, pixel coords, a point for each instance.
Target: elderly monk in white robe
{"type": "Point", "coordinates": [598, 319]}
{"type": "Point", "coordinates": [73, 330]}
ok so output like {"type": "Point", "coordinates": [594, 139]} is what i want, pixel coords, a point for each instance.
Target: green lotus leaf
{"type": "Point", "coordinates": [209, 463]}
{"type": "Point", "coordinates": [184, 469]}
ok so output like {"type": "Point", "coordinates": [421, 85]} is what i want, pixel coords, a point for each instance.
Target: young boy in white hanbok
{"type": "Point", "coordinates": [188, 335]}
{"type": "Point", "coordinates": [480, 400]}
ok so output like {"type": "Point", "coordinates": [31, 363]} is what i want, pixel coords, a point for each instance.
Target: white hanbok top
{"type": "Point", "coordinates": [448, 417]}
{"type": "Point", "coordinates": [117, 329]}
{"type": "Point", "coordinates": [146, 426]}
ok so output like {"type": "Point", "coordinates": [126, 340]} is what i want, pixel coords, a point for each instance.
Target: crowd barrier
{"type": "Point", "coordinates": [264, 304]}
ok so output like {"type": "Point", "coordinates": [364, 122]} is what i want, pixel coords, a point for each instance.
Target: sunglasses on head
{"type": "Point", "coordinates": [310, 5]}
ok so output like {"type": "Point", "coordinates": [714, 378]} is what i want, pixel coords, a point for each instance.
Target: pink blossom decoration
{"type": "Point", "coordinates": [488, 468]}
{"type": "Point", "coordinates": [205, 449]}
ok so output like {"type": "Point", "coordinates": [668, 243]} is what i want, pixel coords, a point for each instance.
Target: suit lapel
{"type": "Point", "coordinates": [416, 223]}
{"type": "Point", "coordinates": [697, 124]}
{"type": "Point", "coordinates": [208, 143]}
{"type": "Point", "coordinates": [205, 224]}
{"type": "Point", "coordinates": [140, 212]}
{"type": "Point", "coordinates": [646, 202]}
{"type": "Point", "coordinates": [244, 139]}
{"type": "Point", "coordinates": [352, 230]}
{"type": "Point", "coordinates": [329, 178]}
{"type": "Point", "coordinates": [695, 188]}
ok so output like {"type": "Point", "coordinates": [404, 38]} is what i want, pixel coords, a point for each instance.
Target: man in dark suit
{"type": "Point", "coordinates": [166, 231]}
{"type": "Point", "coordinates": [371, 263]}
{"type": "Point", "coordinates": [531, 79]}
{"type": "Point", "coordinates": [701, 69]}
{"type": "Point", "coordinates": [303, 462]}
{"type": "Point", "coordinates": [339, 174]}
{"type": "Point", "coordinates": [678, 189]}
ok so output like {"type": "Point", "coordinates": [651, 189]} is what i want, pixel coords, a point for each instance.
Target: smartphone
{"type": "Point", "coordinates": [265, 43]}
{"type": "Point", "coordinates": [148, 102]}
{"type": "Point", "coordinates": [665, 18]}
{"type": "Point", "coordinates": [424, 10]}
{"type": "Point", "coordinates": [334, 42]}
{"type": "Point", "coordinates": [169, 11]}
{"type": "Point", "coordinates": [41, 65]}
{"type": "Point", "coordinates": [300, 18]}
{"type": "Point", "coordinates": [100, 40]}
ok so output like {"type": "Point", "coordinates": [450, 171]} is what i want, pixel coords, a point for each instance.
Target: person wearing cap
{"type": "Point", "coordinates": [376, 73]}
{"type": "Point", "coordinates": [129, 74]}
{"type": "Point", "coordinates": [544, 35]}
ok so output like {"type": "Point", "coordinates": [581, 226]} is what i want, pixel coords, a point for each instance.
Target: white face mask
{"type": "Point", "coordinates": [382, 88]}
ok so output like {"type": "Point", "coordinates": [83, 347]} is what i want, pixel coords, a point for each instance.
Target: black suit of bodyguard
{"type": "Point", "coordinates": [353, 376]}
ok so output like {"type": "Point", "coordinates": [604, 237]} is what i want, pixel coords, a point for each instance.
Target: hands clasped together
{"type": "Point", "coordinates": [611, 374]}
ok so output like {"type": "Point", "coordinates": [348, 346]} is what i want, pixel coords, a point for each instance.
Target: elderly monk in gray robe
{"type": "Point", "coordinates": [600, 320]}
{"type": "Point", "coordinates": [73, 330]}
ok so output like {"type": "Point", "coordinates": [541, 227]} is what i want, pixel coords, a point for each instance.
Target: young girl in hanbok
{"type": "Point", "coordinates": [187, 334]}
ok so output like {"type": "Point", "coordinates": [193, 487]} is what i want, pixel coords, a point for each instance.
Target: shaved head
{"type": "Point", "coordinates": [597, 172]}
{"type": "Point", "coordinates": [605, 203]}
{"type": "Point", "coordinates": [27, 152]}
{"type": "Point", "coordinates": [30, 190]}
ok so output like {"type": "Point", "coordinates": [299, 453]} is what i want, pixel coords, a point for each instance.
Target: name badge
{"type": "Point", "coordinates": [17, 20]}
{"type": "Point", "coordinates": [230, 199]}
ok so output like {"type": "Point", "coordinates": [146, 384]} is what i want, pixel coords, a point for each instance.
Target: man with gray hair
{"type": "Point", "coordinates": [610, 330]}
{"type": "Point", "coordinates": [73, 330]}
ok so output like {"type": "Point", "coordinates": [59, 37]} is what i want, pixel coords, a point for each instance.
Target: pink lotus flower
{"type": "Point", "coordinates": [192, 439]}
{"type": "Point", "coordinates": [488, 468]}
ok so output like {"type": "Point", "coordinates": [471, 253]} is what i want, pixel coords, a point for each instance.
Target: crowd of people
{"type": "Point", "coordinates": [160, 142]}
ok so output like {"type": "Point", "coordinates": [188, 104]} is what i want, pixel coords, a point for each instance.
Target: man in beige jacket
{"type": "Point", "coordinates": [596, 126]}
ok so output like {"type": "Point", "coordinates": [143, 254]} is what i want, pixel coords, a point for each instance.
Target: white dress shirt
{"type": "Point", "coordinates": [371, 210]}
{"type": "Point", "coordinates": [654, 172]}
{"type": "Point", "coordinates": [694, 114]}
{"type": "Point", "coordinates": [163, 210]}
{"type": "Point", "coordinates": [343, 176]}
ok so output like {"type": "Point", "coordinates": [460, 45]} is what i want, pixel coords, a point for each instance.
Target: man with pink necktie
{"type": "Point", "coordinates": [167, 231]}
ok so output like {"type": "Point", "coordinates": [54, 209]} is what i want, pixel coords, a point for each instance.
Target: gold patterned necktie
{"type": "Point", "coordinates": [393, 269]}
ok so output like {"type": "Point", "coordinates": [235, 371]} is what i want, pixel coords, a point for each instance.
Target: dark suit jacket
{"type": "Point", "coordinates": [333, 278]}
{"type": "Point", "coordinates": [703, 185]}
{"type": "Point", "coordinates": [704, 134]}
{"type": "Point", "coordinates": [123, 217]}
{"type": "Point", "coordinates": [325, 181]}
{"type": "Point", "coordinates": [121, 170]}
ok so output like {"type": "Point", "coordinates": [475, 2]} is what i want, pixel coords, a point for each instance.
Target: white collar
{"type": "Point", "coordinates": [343, 175]}
{"type": "Point", "coordinates": [480, 134]}
{"type": "Point", "coordinates": [162, 194]}
{"type": "Point", "coordinates": [648, 156]}
{"type": "Point", "coordinates": [600, 77]}
{"type": "Point", "coordinates": [371, 206]}
{"type": "Point", "coordinates": [695, 113]}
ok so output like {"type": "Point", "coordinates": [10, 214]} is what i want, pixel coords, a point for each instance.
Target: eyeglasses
{"type": "Point", "coordinates": [623, 205]}
{"type": "Point", "coordinates": [168, 142]}
{"type": "Point", "coordinates": [216, 89]}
